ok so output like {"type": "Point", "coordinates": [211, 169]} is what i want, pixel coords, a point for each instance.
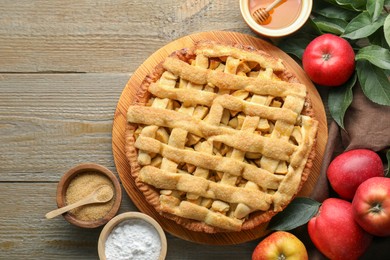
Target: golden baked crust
{"type": "Point", "coordinates": [220, 137]}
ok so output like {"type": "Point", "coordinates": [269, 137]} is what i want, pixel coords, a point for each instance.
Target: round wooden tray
{"type": "Point", "coordinates": [119, 124]}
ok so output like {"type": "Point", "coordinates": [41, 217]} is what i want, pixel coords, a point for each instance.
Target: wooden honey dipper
{"type": "Point", "coordinates": [261, 14]}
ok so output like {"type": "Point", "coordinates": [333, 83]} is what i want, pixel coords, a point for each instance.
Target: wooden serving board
{"type": "Point", "coordinates": [119, 124]}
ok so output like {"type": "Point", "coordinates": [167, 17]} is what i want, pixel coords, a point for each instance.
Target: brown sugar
{"type": "Point", "coordinates": [83, 185]}
{"type": "Point", "coordinates": [104, 193]}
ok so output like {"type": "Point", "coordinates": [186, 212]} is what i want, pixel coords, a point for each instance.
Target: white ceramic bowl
{"type": "Point", "coordinates": [274, 33]}
{"type": "Point", "coordinates": [128, 216]}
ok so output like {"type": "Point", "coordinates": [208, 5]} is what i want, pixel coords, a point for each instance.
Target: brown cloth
{"type": "Point", "coordinates": [367, 125]}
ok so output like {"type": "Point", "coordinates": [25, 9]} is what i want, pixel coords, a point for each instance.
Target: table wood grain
{"type": "Point", "coordinates": [63, 66]}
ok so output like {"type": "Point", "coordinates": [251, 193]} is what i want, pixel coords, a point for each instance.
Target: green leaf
{"type": "Point", "coordinates": [339, 99]}
{"type": "Point", "coordinates": [318, 5]}
{"type": "Point", "coordinates": [374, 82]}
{"type": "Point", "coordinates": [356, 5]}
{"type": "Point", "coordinates": [374, 8]}
{"type": "Point", "coordinates": [376, 55]}
{"type": "Point", "coordinates": [296, 214]}
{"type": "Point", "coordinates": [328, 25]}
{"type": "Point", "coordinates": [314, 26]}
{"type": "Point", "coordinates": [296, 45]}
{"type": "Point", "coordinates": [335, 12]}
{"type": "Point", "coordinates": [362, 26]}
{"type": "Point", "coordinates": [386, 29]}
{"type": "Point", "coordinates": [308, 28]}
{"type": "Point", "coordinates": [378, 38]}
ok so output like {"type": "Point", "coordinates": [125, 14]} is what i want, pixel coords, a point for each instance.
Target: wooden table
{"type": "Point", "coordinates": [63, 66]}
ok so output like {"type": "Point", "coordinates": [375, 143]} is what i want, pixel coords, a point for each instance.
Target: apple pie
{"type": "Point", "coordinates": [220, 137]}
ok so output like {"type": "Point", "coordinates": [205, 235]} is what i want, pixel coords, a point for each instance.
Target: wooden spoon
{"type": "Point", "coordinates": [102, 194]}
{"type": "Point", "coordinates": [261, 14]}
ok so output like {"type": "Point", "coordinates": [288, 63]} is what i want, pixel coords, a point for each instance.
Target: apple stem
{"type": "Point", "coordinates": [326, 56]}
{"type": "Point", "coordinates": [376, 208]}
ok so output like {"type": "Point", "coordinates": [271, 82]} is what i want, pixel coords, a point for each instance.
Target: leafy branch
{"type": "Point", "coordinates": [366, 25]}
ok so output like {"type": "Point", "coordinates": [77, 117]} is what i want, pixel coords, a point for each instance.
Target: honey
{"type": "Point", "coordinates": [283, 15]}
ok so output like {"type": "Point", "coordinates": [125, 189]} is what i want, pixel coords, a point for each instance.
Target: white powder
{"type": "Point", "coordinates": [133, 239]}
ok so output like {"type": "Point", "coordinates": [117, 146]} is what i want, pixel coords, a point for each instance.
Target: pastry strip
{"type": "Point", "coordinates": [278, 149]}
{"type": "Point", "coordinates": [197, 97]}
{"type": "Point", "coordinates": [261, 177]}
{"type": "Point", "coordinates": [223, 80]}
{"type": "Point", "coordinates": [188, 183]}
{"type": "Point", "coordinates": [217, 50]}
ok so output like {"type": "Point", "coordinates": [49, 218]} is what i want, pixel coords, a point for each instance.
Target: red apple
{"type": "Point", "coordinates": [329, 60]}
{"type": "Point", "coordinates": [335, 232]}
{"type": "Point", "coordinates": [280, 245]}
{"type": "Point", "coordinates": [348, 170]}
{"type": "Point", "coordinates": [371, 206]}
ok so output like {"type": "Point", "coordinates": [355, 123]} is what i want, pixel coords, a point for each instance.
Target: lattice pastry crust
{"type": "Point", "coordinates": [220, 137]}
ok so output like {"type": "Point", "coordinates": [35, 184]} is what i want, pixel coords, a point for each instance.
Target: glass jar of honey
{"type": "Point", "coordinates": [281, 16]}
{"type": "Point", "coordinates": [285, 18]}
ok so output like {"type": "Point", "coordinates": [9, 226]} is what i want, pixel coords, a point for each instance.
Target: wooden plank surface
{"type": "Point", "coordinates": [53, 117]}
{"type": "Point", "coordinates": [26, 234]}
{"type": "Point", "coordinates": [50, 122]}
{"type": "Point", "coordinates": [104, 35]}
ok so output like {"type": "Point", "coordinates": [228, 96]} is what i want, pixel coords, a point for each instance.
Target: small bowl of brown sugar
{"type": "Point", "coordinates": [79, 182]}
